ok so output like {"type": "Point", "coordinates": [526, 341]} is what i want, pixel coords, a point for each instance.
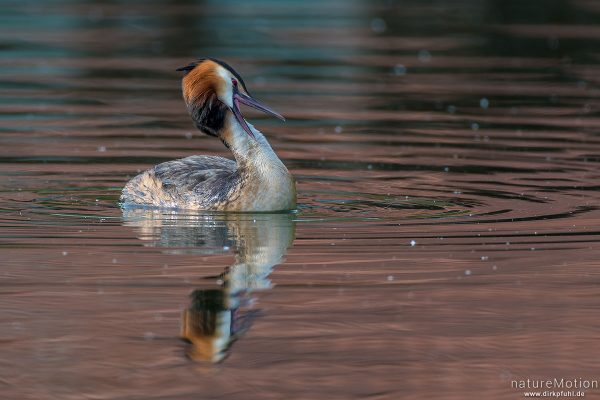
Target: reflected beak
{"type": "Point", "coordinates": [250, 102]}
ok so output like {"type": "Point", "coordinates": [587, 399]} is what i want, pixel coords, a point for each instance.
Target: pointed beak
{"type": "Point", "coordinates": [250, 102]}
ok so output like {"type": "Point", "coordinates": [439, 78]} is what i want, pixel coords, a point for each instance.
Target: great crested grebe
{"type": "Point", "coordinates": [256, 181]}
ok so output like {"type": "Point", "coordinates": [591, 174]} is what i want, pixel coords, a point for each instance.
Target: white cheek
{"type": "Point", "coordinates": [227, 96]}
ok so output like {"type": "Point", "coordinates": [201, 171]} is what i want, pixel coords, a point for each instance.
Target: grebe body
{"type": "Point", "coordinates": [256, 181]}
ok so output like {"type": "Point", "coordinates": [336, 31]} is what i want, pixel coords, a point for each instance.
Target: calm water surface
{"type": "Point", "coordinates": [447, 237]}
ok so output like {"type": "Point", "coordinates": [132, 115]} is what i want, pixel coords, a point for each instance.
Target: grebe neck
{"type": "Point", "coordinates": [252, 153]}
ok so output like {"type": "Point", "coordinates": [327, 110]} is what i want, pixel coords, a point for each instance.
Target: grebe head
{"type": "Point", "coordinates": [211, 88]}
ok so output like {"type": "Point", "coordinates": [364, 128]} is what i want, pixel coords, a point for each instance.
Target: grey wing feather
{"type": "Point", "coordinates": [196, 181]}
{"type": "Point", "coordinates": [187, 173]}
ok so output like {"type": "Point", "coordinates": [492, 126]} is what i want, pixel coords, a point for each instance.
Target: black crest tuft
{"type": "Point", "coordinates": [189, 67]}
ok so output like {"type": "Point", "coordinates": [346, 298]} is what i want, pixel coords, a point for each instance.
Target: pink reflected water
{"type": "Point", "coordinates": [446, 242]}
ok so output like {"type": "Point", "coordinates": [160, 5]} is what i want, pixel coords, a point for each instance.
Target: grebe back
{"type": "Point", "coordinates": [256, 181]}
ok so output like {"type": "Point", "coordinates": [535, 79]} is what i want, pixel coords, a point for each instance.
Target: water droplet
{"type": "Point", "coordinates": [101, 149]}
{"type": "Point", "coordinates": [399, 70]}
{"type": "Point", "coordinates": [64, 253]}
{"type": "Point", "coordinates": [451, 109]}
{"type": "Point", "coordinates": [424, 55]}
{"type": "Point", "coordinates": [484, 103]}
{"type": "Point", "coordinates": [188, 135]}
{"type": "Point", "coordinates": [467, 272]}
{"type": "Point", "coordinates": [413, 243]}
{"type": "Point", "coordinates": [226, 248]}
{"type": "Point", "coordinates": [475, 126]}
{"type": "Point", "coordinates": [378, 25]}
{"type": "Point", "coordinates": [484, 258]}
{"type": "Point", "coordinates": [338, 129]}
{"type": "Point", "coordinates": [390, 278]}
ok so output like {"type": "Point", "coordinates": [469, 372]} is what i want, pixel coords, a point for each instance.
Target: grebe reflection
{"type": "Point", "coordinates": [216, 318]}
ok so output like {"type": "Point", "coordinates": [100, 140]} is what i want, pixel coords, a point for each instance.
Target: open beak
{"type": "Point", "coordinates": [249, 101]}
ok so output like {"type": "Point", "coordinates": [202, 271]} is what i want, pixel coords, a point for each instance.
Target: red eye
{"type": "Point", "coordinates": [234, 82]}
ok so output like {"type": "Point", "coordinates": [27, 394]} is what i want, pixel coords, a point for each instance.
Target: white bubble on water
{"type": "Point", "coordinates": [424, 55]}
{"type": "Point", "coordinates": [399, 70]}
{"type": "Point", "coordinates": [378, 25]}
